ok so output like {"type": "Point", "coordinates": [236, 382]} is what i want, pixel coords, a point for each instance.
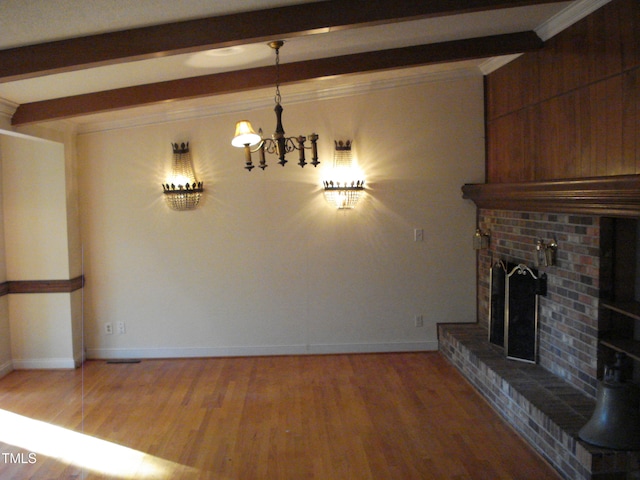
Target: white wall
{"type": "Point", "coordinates": [264, 265]}
{"type": "Point", "coordinates": [5, 334]}
{"type": "Point", "coordinates": [36, 245]}
{"type": "Point", "coordinates": [34, 191]}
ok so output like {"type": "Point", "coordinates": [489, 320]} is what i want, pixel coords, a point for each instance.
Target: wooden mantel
{"type": "Point", "coordinates": [612, 196]}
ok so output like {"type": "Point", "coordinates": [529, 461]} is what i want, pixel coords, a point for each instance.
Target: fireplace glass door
{"type": "Point", "coordinates": [521, 314]}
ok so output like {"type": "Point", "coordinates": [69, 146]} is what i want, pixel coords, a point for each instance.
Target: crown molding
{"type": "Point", "coordinates": [495, 63]}
{"type": "Point", "coordinates": [567, 17]}
{"type": "Point", "coordinates": [327, 93]}
{"type": "Point", "coordinates": [7, 109]}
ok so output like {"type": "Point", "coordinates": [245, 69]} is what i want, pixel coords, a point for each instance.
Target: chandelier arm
{"type": "Point", "coordinates": [259, 146]}
{"type": "Point", "coordinates": [291, 144]}
{"type": "Point", "coordinates": [269, 146]}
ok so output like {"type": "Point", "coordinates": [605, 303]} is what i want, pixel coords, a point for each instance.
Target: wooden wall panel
{"type": "Point", "coordinates": [576, 102]}
{"type": "Point", "coordinates": [513, 86]}
{"type": "Point", "coordinates": [586, 159]}
{"type": "Point", "coordinates": [631, 120]}
{"type": "Point", "coordinates": [606, 121]}
{"type": "Point", "coordinates": [586, 52]}
{"type": "Point", "coordinates": [505, 147]}
{"type": "Point", "coordinates": [603, 47]}
{"type": "Point", "coordinates": [511, 147]}
{"type": "Point", "coordinates": [532, 140]}
{"type": "Point", "coordinates": [630, 34]}
{"type": "Point", "coordinates": [556, 149]}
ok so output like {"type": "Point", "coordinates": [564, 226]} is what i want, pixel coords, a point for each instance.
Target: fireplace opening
{"type": "Point", "coordinates": [619, 312]}
{"type": "Point", "coordinates": [513, 317]}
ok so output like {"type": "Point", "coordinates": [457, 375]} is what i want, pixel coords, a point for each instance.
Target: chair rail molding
{"type": "Point", "coordinates": [42, 286]}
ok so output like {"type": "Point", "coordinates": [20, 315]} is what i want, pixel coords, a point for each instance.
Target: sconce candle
{"type": "Point", "coordinates": [546, 253]}
{"type": "Point", "coordinates": [183, 191]}
{"type": "Point", "coordinates": [480, 240]}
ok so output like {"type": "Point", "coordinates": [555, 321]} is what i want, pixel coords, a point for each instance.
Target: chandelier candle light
{"type": "Point", "coordinates": [245, 137]}
{"type": "Point", "coordinates": [184, 191]}
{"type": "Point", "coordinates": [344, 188]}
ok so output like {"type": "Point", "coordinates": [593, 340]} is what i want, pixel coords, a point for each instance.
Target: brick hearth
{"type": "Point", "coordinates": [547, 411]}
{"type": "Point", "coordinates": [547, 403]}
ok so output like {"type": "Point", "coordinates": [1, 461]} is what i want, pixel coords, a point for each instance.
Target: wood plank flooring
{"type": "Point", "coordinates": [374, 416]}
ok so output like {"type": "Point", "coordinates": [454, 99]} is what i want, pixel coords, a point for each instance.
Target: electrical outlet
{"type": "Point", "coordinates": [121, 328]}
{"type": "Point", "coordinates": [418, 321]}
{"type": "Point", "coordinates": [108, 328]}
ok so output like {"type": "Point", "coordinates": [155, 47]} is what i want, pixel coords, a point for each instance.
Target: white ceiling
{"type": "Point", "coordinates": [27, 22]}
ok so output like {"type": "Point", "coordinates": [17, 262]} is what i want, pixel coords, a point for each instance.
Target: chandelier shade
{"type": "Point", "coordinates": [183, 190]}
{"type": "Point", "coordinates": [245, 135]}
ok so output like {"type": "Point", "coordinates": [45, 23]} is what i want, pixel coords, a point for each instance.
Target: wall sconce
{"type": "Point", "coordinates": [245, 137]}
{"type": "Point", "coordinates": [546, 253]}
{"type": "Point", "coordinates": [481, 240]}
{"type": "Point", "coordinates": [183, 191]}
{"type": "Point", "coordinates": [345, 186]}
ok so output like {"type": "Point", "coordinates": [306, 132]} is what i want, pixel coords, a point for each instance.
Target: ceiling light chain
{"type": "Point", "coordinates": [246, 137]}
{"type": "Point", "coordinates": [276, 46]}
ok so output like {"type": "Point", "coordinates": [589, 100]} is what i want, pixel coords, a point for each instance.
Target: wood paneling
{"type": "Point", "coordinates": [631, 120]}
{"type": "Point", "coordinates": [555, 150]}
{"type": "Point", "coordinates": [378, 416]}
{"type": "Point", "coordinates": [506, 145]}
{"type": "Point", "coordinates": [582, 103]}
{"type": "Point", "coordinates": [513, 87]}
{"type": "Point", "coordinates": [630, 33]}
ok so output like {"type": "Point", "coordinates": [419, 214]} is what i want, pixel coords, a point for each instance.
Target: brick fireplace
{"type": "Point", "coordinates": [548, 402]}
{"type": "Point", "coordinates": [562, 153]}
{"type": "Point", "coordinates": [568, 314]}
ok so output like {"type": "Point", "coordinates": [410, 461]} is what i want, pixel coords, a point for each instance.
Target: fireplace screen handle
{"type": "Point", "coordinates": [521, 313]}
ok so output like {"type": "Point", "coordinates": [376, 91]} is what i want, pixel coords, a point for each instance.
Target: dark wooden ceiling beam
{"type": "Point", "coordinates": [224, 31]}
{"type": "Point", "coordinates": [260, 77]}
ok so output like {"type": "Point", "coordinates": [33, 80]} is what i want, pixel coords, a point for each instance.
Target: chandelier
{"type": "Point", "coordinates": [345, 185]}
{"type": "Point", "coordinates": [245, 137]}
{"type": "Point", "coordinates": [183, 192]}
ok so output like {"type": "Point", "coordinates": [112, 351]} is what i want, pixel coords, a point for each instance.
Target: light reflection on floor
{"type": "Point", "coordinates": [83, 451]}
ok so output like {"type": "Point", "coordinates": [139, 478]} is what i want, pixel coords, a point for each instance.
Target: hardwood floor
{"type": "Point", "coordinates": [374, 416]}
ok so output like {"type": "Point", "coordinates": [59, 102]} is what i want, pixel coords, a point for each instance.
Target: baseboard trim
{"type": "Point", "coordinates": [44, 363]}
{"type": "Point", "coordinates": [263, 350]}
